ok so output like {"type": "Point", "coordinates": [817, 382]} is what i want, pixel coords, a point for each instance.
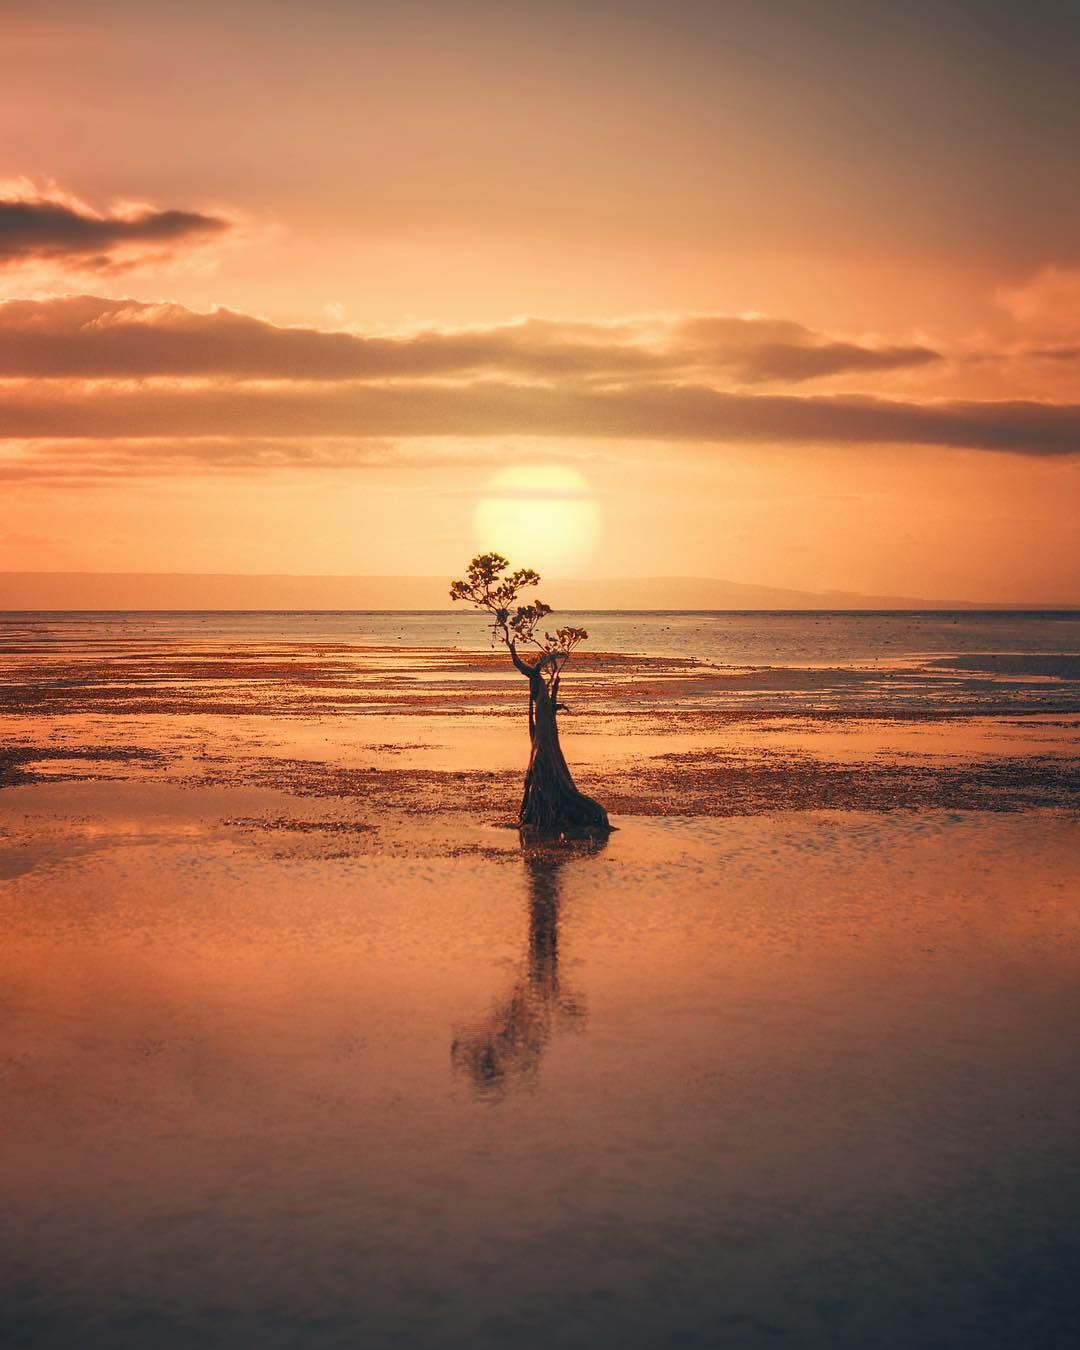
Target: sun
{"type": "Point", "coordinates": [541, 516]}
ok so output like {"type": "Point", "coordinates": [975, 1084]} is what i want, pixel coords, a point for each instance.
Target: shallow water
{"type": "Point", "coordinates": [791, 1079]}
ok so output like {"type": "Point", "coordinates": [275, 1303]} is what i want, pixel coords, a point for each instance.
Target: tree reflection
{"type": "Point", "coordinates": [507, 1045]}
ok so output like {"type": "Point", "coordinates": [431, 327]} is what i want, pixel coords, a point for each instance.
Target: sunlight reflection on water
{"type": "Point", "coordinates": [788, 1075]}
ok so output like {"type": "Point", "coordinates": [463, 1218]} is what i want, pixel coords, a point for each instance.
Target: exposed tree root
{"type": "Point", "coordinates": [552, 804]}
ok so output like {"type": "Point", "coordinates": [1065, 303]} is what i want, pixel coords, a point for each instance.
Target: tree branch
{"type": "Point", "coordinates": [526, 670]}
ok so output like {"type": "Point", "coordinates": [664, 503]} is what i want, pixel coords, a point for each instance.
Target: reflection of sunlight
{"type": "Point", "coordinates": [541, 516]}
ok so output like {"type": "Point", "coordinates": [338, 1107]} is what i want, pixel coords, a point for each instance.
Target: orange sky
{"type": "Point", "coordinates": [785, 293]}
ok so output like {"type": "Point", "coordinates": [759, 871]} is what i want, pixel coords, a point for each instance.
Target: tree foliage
{"type": "Point", "coordinates": [489, 586]}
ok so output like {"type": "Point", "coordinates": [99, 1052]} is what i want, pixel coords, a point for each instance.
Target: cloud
{"type": "Point", "coordinates": [88, 337]}
{"type": "Point", "coordinates": [93, 338]}
{"type": "Point", "coordinates": [80, 462]}
{"type": "Point", "coordinates": [761, 349]}
{"type": "Point", "coordinates": [485, 408]}
{"type": "Point", "coordinates": [93, 388]}
{"type": "Point", "coordinates": [1066, 353]}
{"type": "Point", "coordinates": [77, 460]}
{"type": "Point", "coordinates": [1048, 301]}
{"type": "Point", "coordinates": [46, 225]}
{"type": "Point", "coordinates": [794, 362]}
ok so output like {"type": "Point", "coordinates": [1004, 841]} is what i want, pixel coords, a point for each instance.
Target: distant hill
{"type": "Point", "coordinates": [712, 593]}
{"type": "Point", "coordinates": [196, 590]}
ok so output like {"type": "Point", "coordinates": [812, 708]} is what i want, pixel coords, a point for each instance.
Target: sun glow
{"type": "Point", "coordinates": [541, 516]}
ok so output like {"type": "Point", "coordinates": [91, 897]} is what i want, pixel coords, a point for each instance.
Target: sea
{"type": "Point", "coordinates": [722, 637]}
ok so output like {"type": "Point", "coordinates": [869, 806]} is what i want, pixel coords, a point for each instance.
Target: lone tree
{"type": "Point", "coordinates": [551, 803]}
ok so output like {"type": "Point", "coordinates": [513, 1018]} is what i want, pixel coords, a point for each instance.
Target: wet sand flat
{"type": "Point", "coordinates": [401, 726]}
{"type": "Point", "coordinates": [300, 1046]}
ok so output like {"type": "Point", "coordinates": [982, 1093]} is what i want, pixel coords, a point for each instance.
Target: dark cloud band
{"type": "Point", "coordinates": [489, 408]}
{"type": "Point", "coordinates": [83, 336]}
{"type": "Point", "coordinates": [45, 229]}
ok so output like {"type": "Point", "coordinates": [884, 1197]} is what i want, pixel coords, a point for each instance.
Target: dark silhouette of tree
{"type": "Point", "coordinates": [551, 803]}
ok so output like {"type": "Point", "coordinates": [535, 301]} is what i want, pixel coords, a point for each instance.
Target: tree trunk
{"type": "Point", "coordinates": [552, 804]}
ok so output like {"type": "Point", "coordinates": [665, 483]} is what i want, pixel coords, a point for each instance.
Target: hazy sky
{"type": "Point", "coordinates": [774, 291]}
